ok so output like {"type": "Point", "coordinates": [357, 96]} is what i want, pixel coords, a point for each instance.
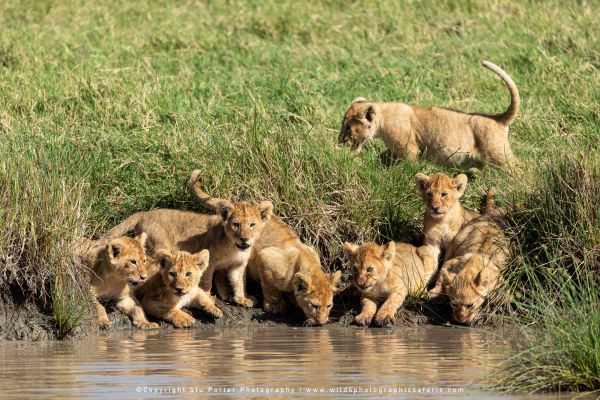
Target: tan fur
{"type": "Point", "coordinates": [118, 265]}
{"type": "Point", "coordinates": [446, 136]}
{"type": "Point", "coordinates": [473, 266]}
{"type": "Point", "coordinates": [229, 236]}
{"type": "Point", "coordinates": [175, 286]}
{"type": "Point", "coordinates": [283, 264]}
{"type": "Point", "coordinates": [385, 275]}
{"type": "Point", "coordinates": [444, 213]}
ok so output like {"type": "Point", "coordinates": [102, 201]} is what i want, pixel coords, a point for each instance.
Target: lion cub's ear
{"type": "Point", "coordinates": [224, 208]}
{"type": "Point", "coordinates": [163, 257]}
{"type": "Point", "coordinates": [114, 249]}
{"type": "Point", "coordinates": [335, 278]}
{"type": "Point", "coordinates": [201, 259]}
{"type": "Point", "coordinates": [359, 100]}
{"type": "Point", "coordinates": [301, 283]}
{"type": "Point", "coordinates": [370, 113]}
{"type": "Point", "coordinates": [447, 276]}
{"type": "Point", "coordinates": [389, 251]}
{"type": "Point", "coordinates": [421, 180]}
{"type": "Point", "coordinates": [460, 181]}
{"type": "Point", "coordinates": [350, 248]}
{"type": "Point", "coordinates": [266, 210]}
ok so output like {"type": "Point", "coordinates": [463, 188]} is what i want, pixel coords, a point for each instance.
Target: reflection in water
{"type": "Point", "coordinates": [190, 363]}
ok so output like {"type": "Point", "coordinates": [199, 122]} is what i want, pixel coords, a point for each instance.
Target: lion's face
{"type": "Point", "coordinates": [358, 125]}
{"type": "Point", "coordinates": [128, 258]}
{"type": "Point", "coordinates": [243, 222]}
{"type": "Point", "coordinates": [371, 263]}
{"type": "Point", "coordinates": [181, 271]}
{"type": "Point", "coordinates": [468, 288]}
{"type": "Point", "coordinates": [314, 294]}
{"type": "Point", "coordinates": [440, 193]}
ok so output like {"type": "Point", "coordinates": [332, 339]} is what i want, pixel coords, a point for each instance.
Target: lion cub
{"type": "Point", "coordinates": [283, 264]}
{"type": "Point", "coordinates": [228, 236]}
{"type": "Point", "coordinates": [446, 136]}
{"type": "Point", "coordinates": [176, 286]}
{"type": "Point", "coordinates": [473, 266]}
{"type": "Point", "coordinates": [118, 266]}
{"type": "Point", "coordinates": [444, 213]}
{"type": "Point", "coordinates": [387, 274]}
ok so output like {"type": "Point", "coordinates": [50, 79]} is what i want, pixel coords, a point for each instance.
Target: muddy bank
{"type": "Point", "coordinates": [22, 320]}
{"type": "Point", "coordinates": [346, 307]}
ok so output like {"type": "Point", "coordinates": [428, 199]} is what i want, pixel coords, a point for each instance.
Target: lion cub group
{"type": "Point", "coordinates": [175, 257]}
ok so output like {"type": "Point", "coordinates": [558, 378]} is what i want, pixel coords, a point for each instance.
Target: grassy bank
{"type": "Point", "coordinates": [556, 282]}
{"type": "Point", "coordinates": [106, 107]}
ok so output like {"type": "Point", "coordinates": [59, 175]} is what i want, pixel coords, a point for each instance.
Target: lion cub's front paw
{"type": "Point", "coordinates": [215, 311]}
{"type": "Point", "coordinates": [363, 319]}
{"type": "Point", "coordinates": [147, 325]}
{"type": "Point", "coordinates": [244, 301]}
{"type": "Point", "coordinates": [385, 317]}
{"type": "Point", "coordinates": [183, 320]}
{"type": "Point", "coordinates": [275, 307]}
{"type": "Point", "coordinates": [104, 323]}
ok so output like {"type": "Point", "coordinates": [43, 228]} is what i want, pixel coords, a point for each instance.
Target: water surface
{"type": "Point", "coordinates": [283, 362]}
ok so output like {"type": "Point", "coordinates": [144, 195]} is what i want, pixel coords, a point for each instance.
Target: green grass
{"type": "Point", "coordinates": [110, 105]}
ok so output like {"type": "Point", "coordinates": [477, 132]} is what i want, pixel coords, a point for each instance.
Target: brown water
{"type": "Point", "coordinates": [421, 363]}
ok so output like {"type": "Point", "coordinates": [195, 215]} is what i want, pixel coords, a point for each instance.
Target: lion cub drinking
{"type": "Point", "coordinates": [473, 266]}
{"type": "Point", "coordinates": [117, 267]}
{"type": "Point", "coordinates": [442, 135]}
{"type": "Point", "coordinates": [176, 286]}
{"type": "Point", "coordinates": [385, 275]}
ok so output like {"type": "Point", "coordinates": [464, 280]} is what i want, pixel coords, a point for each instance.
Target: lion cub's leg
{"type": "Point", "coordinates": [207, 279]}
{"type": "Point", "coordinates": [272, 268]}
{"type": "Point", "coordinates": [369, 308]}
{"type": "Point", "coordinates": [169, 313]}
{"type": "Point", "coordinates": [389, 308]}
{"type": "Point", "coordinates": [131, 308]}
{"type": "Point", "coordinates": [103, 321]}
{"type": "Point", "coordinates": [237, 277]}
{"type": "Point", "coordinates": [206, 303]}
{"type": "Point", "coordinates": [273, 301]}
{"type": "Point", "coordinates": [222, 286]}
{"type": "Point", "coordinates": [429, 266]}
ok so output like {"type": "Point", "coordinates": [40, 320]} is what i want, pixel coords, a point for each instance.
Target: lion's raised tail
{"type": "Point", "coordinates": [205, 198]}
{"type": "Point", "coordinates": [127, 225]}
{"type": "Point", "coordinates": [507, 117]}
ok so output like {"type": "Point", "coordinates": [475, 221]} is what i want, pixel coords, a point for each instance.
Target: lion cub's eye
{"type": "Point", "coordinates": [173, 274]}
{"type": "Point", "coordinates": [444, 194]}
{"type": "Point", "coordinates": [429, 194]}
{"type": "Point", "coordinates": [237, 225]}
{"type": "Point", "coordinates": [469, 306]}
{"type": "Point", "coordinates": [316, 306]}
{"type": "Point", "coordinates": [188, 274]}
{"type": "Point", "coordinates": [134, 262]}
{"type": "Point", "coordinates": [252, 225]}
{"type": "Point", "coordinates": [370, 269]}
{"type": "Point", "coordinates": [329, 305]}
